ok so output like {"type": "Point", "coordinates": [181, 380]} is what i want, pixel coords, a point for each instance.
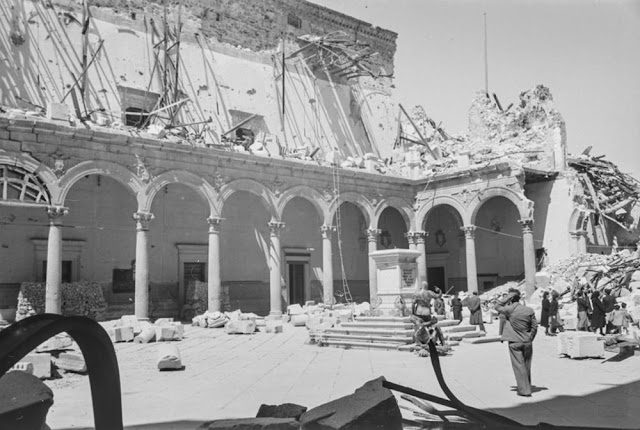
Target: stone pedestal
{"type": "Point", "coordinates": [397, 275]}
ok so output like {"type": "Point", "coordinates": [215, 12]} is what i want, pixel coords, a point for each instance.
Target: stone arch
{"type": "Point", "coordinates": [254, 187]}
{"type": "Point", "coordinates": [305, 192]}
{"type": "Point", "coordinates": [424, 210]}
{"type": "Point", "coordinates": [105, 168]}
{"type": "Point", "coordinates": [36, 168]}
{"type": "Point", "coordinates": [193, 181]}
{"type": "Point", "coordinates": [402, 206]}
{"type": "Point", "coordinates": [524, 205]}
{"type": "Point", "coordinates": [578, 219]}
{"type": "Point", "coordinates": [357, 199]}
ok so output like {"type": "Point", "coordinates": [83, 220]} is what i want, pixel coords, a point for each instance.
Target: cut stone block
{"type": "Point", "coordinates": [285, 410]}
{"type": "Point", "coordinates": [71, 362]}
{"type": "Point", "coordinates": [295, 309]}
{"type": "Point", "coordinates": [23, 367]}
{"type": "Point", "coordinates": [24, 401]}
{"type": "Point", "coordinates": [273, 327]}
{"type": "Point", "coordinates": [240, 327]}
{"type": "Point", "coordinates": [55, 343]}
{"type": "Point", "coordinates": [370, 407]}
{"type": "Point", "coordinates": [220, 322]}
{"type": "Point", "coordinates": [261, 322]}
{"type": "Point", "coordinates": [131, 321]}
{"type": "Point", "coordinates": [173, 331]}
{"type": "Point", "coordinates": [299, 320]}
{"type": "Point", "coordinates": [313, 322]}
{"type": "Point", "coordinates": [121, 334]}
{"type": "Point", "coordinates": [263, 423]}
{"type": "Point", "coordinates": [41, 364]}
{"type": "Point", "coordinates": [147, 335]}
{"type": "Point", "coordinates": [169, 357]}
{"type": "Point", "coordinates": [58, 111]}
{"type": "Point", "coordinates": [580, 344]}
{"type": "Point", "coordinates": [161, 321]}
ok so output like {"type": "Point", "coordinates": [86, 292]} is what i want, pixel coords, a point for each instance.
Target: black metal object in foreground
{"type": "Point", "coordinates": [483, 419]}
{"type": "Point", "coordinates": [22, 337]}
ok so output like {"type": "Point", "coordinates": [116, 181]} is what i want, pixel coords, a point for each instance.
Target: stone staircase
{"type": "Point", "coordinates": [392, 333]}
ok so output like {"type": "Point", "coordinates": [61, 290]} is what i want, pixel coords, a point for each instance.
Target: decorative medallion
{"type": "Point", "coordinates": [58, 162]}
{"type": "Point", "coordinates": [141, 170]}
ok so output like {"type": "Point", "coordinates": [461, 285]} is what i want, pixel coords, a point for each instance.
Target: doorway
{"type": "Point", "coordinates": [297, 272]}
{"type": "Point", "coordinates": [436, 278]}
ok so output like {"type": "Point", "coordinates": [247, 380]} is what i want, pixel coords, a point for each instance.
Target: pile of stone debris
{"type": "Point", "coordinates": [128, 328]}
{"type": "Point", "coordinates": [317, 317]}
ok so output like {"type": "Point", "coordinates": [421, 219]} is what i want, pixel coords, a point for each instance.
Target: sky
{"type": "Point", "coordinates": [587, 52]}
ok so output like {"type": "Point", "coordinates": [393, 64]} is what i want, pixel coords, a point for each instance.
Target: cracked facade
{"type": "Point", "coordinates": [238, 181]}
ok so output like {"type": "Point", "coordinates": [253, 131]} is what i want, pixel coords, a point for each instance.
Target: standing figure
{"type": "Point", "coordinates": [456, 307]}
{"type": "Point", "coordinates": [608, 301]}
{"type": "Point", "coordinates": [617, 319]}
{"type": "Point", "coordinates": [584, 307]}
{"type": "Point", "coordinates": [421, 307]}
{"type": "Point", "coordinates": [544, 314]}
{"type": "Point", "coordinates": [438, 302]}
{"type": "Point", "coordinates": [475, 307]}
{"type": "Point", "coordinates": [520, 329]}
{"type": "Point", "coordinates": [555, 323]}
{"type": "Point", "coordinates": [598, 319]}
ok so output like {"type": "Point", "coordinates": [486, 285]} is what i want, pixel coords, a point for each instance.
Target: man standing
{"type": "Point", "coordinates": [456, 307]}
{"type": "Point", "coordinates": [475, 307]}
{"type": "Point", "coordinates": [608, 302]}
{"type": "Point", "coordinates": [519, 330]}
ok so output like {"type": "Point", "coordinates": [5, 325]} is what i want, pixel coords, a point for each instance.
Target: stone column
{"type": "Point", "coordinates": [142, 264]}
{"type": "Point", "coordinates": [470, 245]}
{"type": "Point", "coordinates": [372, 237]}
{"type": "Point", "coordinates": [529, 251]}
{"type": "Point", "coordinates": [53, 294]}
{"type": "Point", "coordinates": [420, 238]}
{"type": "Point", "coordinates": [327, 264]}
{"type": "Point", "coordinates": [275, 274]}
{"type": "Point", "coordinates": [213, 265]}
{"type": "Point", "coordinates": [582, 241]}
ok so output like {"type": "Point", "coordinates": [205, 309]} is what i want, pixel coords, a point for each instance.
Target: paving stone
{"type": "Point", "coordinates": [24, 401]}
{"type": "Point", "coordinates": [240, 327]}
{"type": "Point", "coordinates": [263, 423]}
{"type": "Point", "coordinates": [285, 410]}
{"type": "Point", "coordinates": [169, 357]}
{"type": "Point", "coordinates": [41, 364]}
{"type": "Point", "coordinates": [71, 362]}
{"type": "Point", "coordinates": [370, 407]}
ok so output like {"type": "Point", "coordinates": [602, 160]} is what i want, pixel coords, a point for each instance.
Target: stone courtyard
{"type": "Point", "coordinates": [230, 376]}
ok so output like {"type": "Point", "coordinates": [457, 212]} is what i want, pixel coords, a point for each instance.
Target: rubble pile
{"type": "Point", "coordinates": [319, 317]}
{"type": "Point", "coordinates": [82, 298]}
{"type": "Point", "coordinates": [128, 328]}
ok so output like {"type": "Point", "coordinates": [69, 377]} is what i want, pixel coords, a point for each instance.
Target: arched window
{"type": "Point", "coordinates": [17, 185]}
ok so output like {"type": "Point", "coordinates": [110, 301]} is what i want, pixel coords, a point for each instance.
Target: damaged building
{"type": "Point", "coordinates": [260, 148]}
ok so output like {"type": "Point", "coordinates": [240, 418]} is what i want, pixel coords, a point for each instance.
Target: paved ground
{"type": "Point", "coordinates": [231, 375]}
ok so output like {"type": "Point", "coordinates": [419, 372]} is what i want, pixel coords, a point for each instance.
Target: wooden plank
{"type": "Point", "coordinates": [424, 142]}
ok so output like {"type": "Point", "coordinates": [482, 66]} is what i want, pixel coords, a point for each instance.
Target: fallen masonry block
{"type": "Point", "coordinates": [58, 111]}
{"type": "Point", "coordinates": [370, 407]}
{"type": "Point", "coordinates": [23, 367]}
{"type": "Point", "coordinates": [459, 328]}
{"type": "Point", "coordinates": [199, 321]}
{"type": "Point", "coordinates": [263, 423]}
{"type": "Point", "coordinates": [217, 323]}
{"type": "Point", "coordinates": [240, 327]}
{"type": "Point", "coordinates": [169, 357]}
{"type": "Point", "coordinates": [580, 344]}
{"type": "Point", "coordinates": [24, 401]}
{"type": "Point", "coordinates": [168, 332]}
{"type": "Point", "coordinates": [299, 320]}
{"type": "Point", "coordinates": [147, 335]}
{"type": "Point", "coordinates": [295, 309]}
{"type": "Point", "coordinates": [261, 322]}
{"type": "Point", "coordinates": [313, 321]}
{"type": "Point", "coordinates": [120, 334]}
{"type": "Point", "coordinates": [161, 321]}
{"type": "Point", "coordinates": [131, 321]}
{"type": "Point", "coordinates": [55, 343]}
{"type": "Point", "coordinates": [285, 410]}
{"type": "Point", "coordinates": [71, 362]}
{"type": "Point", "coordinates": [41, 364]}
{"type": "Point", "coordinates": [273, 327]}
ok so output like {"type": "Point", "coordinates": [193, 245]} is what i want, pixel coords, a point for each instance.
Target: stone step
{"type": "Point", "coordinates": [370, 331]}
{"type": "Point", "coordinates": [482, 339]}
{"type": "Point", "coordinates": [378, 325]}
{"type": "Point", "coordinates": [464, 335]}
{"type": "Point", "coordinates": [406, 320]}
{"type": "Point", "coordinates": [459, 328]}
{"type": "Point", "coordinates": [448, 323]}
{"type": "Point", "coordinates": [365, 345]}
{"type": "Point", "coordinates": [390, 339]}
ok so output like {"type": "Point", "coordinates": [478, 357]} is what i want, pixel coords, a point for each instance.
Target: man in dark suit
{"type": "Point", "coordinates": [519, 330]}
{"type": "Point", "coordinates": [608, 301]}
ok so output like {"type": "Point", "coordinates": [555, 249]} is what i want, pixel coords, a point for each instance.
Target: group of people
{"type": "Point", "coordinates": [597, 312]}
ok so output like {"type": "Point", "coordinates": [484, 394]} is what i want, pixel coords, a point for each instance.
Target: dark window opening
{"type": "Point", "coordinates": [66, 271]}
{"type": "Point", "coordinates": [245, 137]}
{"type": "Point", "coordinates": [135, 117]}
{"type": "Point", "coordinates": [122, 281]}
{"type": "Point", "coordinates": [294, 21]}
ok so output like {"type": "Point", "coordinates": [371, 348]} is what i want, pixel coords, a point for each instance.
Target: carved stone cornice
{"type": "Point", "coordinates": [527, 225]}
{"type": "Point", "coordinates": [214, 224]}
{"type": "Point", "coordinates": [56, 213]}
{"type": "Point", "coordinates": [420, 236]}
{"type": "Point", "coordinates": [469, 231]}
{"type": "Point", "coordinates": [373, 234]}
{"type": "Point", "coordinates": [142, 220]}
{"type": "Point", "coordinates": [327, 231]}
{"type": "Point", "coordinates": [275, 227]}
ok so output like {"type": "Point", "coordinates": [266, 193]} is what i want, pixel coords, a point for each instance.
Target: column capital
{"type": "Point", "coordinates": [55, 214]}
{"type": "Point", "coordinates": [373, 233]}
{"type": "Point", "coordinates": [214, 224]}
{"type": "Point", "coordinates": [327, 231]}
{"type": "Point", "coordinates": [142, 220]}
{"type": "Point", "coordinates": [275, 227]}
{"type": "Point", "coordinates": [420, 236]}
{"type": "Point", "coordinates": [469, 231]}
{"type": "Point", "coordinates": [527, 225]}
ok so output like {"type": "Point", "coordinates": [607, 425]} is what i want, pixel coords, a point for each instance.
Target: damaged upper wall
{"type": "Point", "coordinates": [223, 83]}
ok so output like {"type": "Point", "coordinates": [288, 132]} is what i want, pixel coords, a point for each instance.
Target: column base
{"type": "Point", "coordinates": [274, 315]}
